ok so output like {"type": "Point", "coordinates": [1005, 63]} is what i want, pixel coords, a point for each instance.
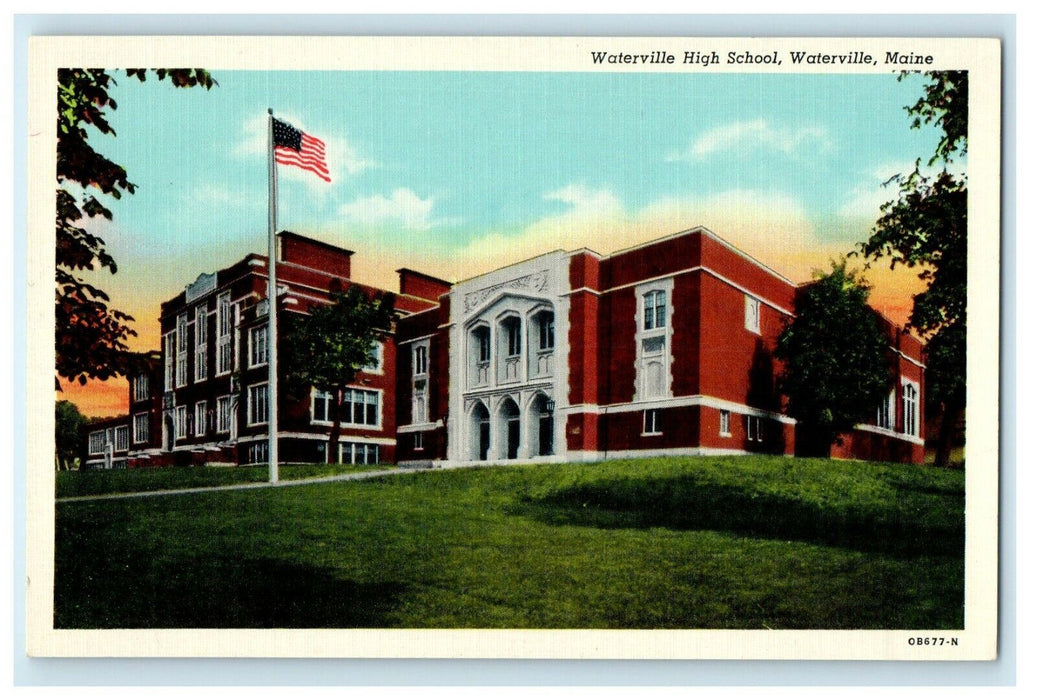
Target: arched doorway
{"type": "Point", "coordinates": [541, 426]}
{"type": "Point", "coordinates": [509, 429]}
{"type": "Point", "coordinates": [480, 432]}
{"type": "Point", "coordinates": [168, 433]}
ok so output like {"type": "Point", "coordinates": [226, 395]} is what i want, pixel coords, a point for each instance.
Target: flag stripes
{"type": "Point", "coordinates": [299, 149]}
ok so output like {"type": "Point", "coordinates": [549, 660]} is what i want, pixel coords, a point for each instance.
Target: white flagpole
{"type": "Point", "coordinates": [271, 335]}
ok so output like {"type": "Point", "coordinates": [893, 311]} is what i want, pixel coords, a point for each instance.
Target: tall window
{"type": "Point", "coordinates": [754, 428]}
{"type": "Point", "coordinates": [181, 421]}
{"type": "Point", "coordinates": [651, 422]}
{"type": "Point", "coordinates": [725, 423]}
{"type": "Point", "coordinates": [654, 364]}
{"type": "Point", "coordinates": [257, 346]}
{"type": "Point", "coordinates": [169, 356]}
{"type": "Point", "coordinates": [374, 363]}
{"type": "Point", "coordinates": [223, 414]}
{"type": "Point", "coordinates": [224, 330]}
{"type": "Point", "coordinates": [420, 360]}
{"type": "Point", "coordinates": [910, 408]}
{"type": "Point", "coordinates": [752, 314]}
{"type": "Point", "coordinates": [140, 388]}
{"type": "Point", "coordinates": [885, 414]}
{"type": "Point", "coordinates": [545, 323]}
{"type": "Point", "coordinates": [201, 337]}
{"type": "Point", "coordinates": [655, 310]}
{"type": "Point", "coordinates": [141, 428]}
{"type": "Point", "coordinates": [201, 423]}
{"type": "Point", "coordinates": [482, 339]}
{"type": "Point", "coordinates": [258, 411]}
{"type": "Point", "coordinates": [122, 437]}
{"type": "Point", "coordinates": [96, 446]}
{"type": "Point", "coordinates": [181, 350]}
{"type": "Point", "coordinates": [513, 329]}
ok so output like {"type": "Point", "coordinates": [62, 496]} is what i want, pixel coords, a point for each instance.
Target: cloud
{"type": "Point", "coordinates": [403, 207]}
{"type": "Point", "coordinates": [343, 157]}
{"type": "Point", "coordinates": [746, 136]}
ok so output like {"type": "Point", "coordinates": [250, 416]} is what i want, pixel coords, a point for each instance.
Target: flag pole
{"type": "Point", "coordinates": [271, 313]}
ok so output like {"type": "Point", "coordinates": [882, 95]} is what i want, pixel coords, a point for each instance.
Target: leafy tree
{"type": "Point", "coordinates": [69, 433]}
{"type": "Point", "coordinates": [926, 227]}
{"type": "Point", "coordinates": [91, 337]}
{"type": "Point", "coordinates": [836, 370]}
{"type": "Point", "coordinates": [327, 348]}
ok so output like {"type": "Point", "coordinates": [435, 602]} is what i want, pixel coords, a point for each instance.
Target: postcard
{"type": "Point", "coordinates": [526, 347]}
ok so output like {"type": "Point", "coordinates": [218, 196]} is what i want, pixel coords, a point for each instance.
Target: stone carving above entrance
{"type": "Point", "coordinates": [536, 282]}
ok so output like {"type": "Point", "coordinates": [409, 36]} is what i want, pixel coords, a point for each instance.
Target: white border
{"type": "Point", "coordinates": [552, 54]}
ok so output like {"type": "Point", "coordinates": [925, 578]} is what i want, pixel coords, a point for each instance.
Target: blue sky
{"type": "Point", "coordinates": [458, 173]}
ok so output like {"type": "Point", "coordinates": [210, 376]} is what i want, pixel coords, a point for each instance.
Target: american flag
{"type": "Point", "coordinates": [294, 147]}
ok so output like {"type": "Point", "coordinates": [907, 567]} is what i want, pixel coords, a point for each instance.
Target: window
{"type": "Point", "coordinates": [169, 356]}
{"type": "Point", "coordinates": [545, 322]}
{"type": "Point", "coordinates": [201, 337]}
{"type": "Point", "coordinates": [651, 422]}
{"type": "Point", "coordinates": [910, 408]}
{"type": "Point", "coordinates": [141, 428]}
{"type": "Point", "coordinates": [725, 423]}
{"type": "Point", "coordinates": [752, 314]}
{"type": "Point", "coordinates": [419, 441]}
{"type": "Point", "coordinates": [419, 402]}
{"type": "Point", "coordinates": [140, 387]}
{"type": "Point", "coordinates": [181, 421]}
{"type": "Point", "coordinates": [257, 408]}
{"type": "Point", "coordinates": [654, 355]}
{"type": "Point", "coordinates": [201, 424]}
{"type": "Point", "coordinates": [181, 350]}
{"type": "Point", "coordinates": [754, 429]}
{"type": "Point", "coordinates": [360, 407]}
{"type": "Point", "coordinates": [122, 437]}
{"type": "Point", "coordinates": [655, 310]}
{"type": "Point", "coordinates": [257, 452]}
{"type": "Point", "coordinates": [223, 414]}
{"type": "Point", "coordinates": [96, 442]}
{"type": "Point", "coordinates": [322, 407]}
{"type": "Point", "coordinates": [886, 413]}
{"type": "Point", "coordinates": [358, 453]}
{"type": "Point", "coordinates": [482, 341]}
{"type": "Point", "coordinates": [513, 330]}
{"type": "Point", "coordinates": [420, 359]}
{"type": "Point", "coordinates": [224, 329]}
{"type": "Point", "coordinates": [257, 346]}
{"type": "Point", "coordinates": [374, 363]}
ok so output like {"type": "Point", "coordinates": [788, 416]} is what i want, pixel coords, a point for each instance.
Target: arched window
{"type": "Point", "coordinates": [544, 323]}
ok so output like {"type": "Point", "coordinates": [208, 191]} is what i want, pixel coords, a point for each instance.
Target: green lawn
{"type": "Point", "coordinates": [761, 542]}
{"type": "Point", "coordinates": [96, 482]}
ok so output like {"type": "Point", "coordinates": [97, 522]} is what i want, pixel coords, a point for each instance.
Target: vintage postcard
{"type": "Point", "coordinates": [479, 347]}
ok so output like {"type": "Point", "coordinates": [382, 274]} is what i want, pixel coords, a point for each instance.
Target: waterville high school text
{"type": "Point", "coordinates": [711, 58]}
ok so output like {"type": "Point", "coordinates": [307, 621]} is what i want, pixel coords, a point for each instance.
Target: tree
{"type": "Point", "coordinates": [327, 348]}
{"type": "Point", "coordinates": [926, 226]}
{"type": "Point", "coordinates": [90, 337]}
{"type": "Point", "coordinates": [69, 433]}
{"type": "Point", "coordinates": [836, 370]}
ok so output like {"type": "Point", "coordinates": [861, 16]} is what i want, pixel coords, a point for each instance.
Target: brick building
{"type": "Point", "coordinates": [663, 348]}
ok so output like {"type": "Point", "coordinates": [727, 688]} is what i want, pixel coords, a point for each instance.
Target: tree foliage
{"type": "Point", "coordinates": [329, 347]}
{"type": "Point", "coordinates": [90, 336]}
{"type": "Point", "coordinates": [69, 433]}
{"type": "Point", "coordinates": [926, 226]}
{"type": "Point", "coordinates": [835, 364]}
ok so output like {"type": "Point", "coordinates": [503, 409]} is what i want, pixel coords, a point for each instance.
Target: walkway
{"type": "Point", "coordinates": [356, 476]}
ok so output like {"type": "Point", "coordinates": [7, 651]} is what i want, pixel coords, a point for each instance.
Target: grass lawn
{"type": "Point", "coordinates": [748, 543]}
{"type": "Point", "coordinates": [96, 482]}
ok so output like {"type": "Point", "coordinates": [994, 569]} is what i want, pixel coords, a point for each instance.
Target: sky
{"type": "Point", "coordinates": [458, 173]}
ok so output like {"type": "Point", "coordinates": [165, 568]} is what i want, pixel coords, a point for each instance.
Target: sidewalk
{"type": "Point", "coordinates": [357, 476]}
